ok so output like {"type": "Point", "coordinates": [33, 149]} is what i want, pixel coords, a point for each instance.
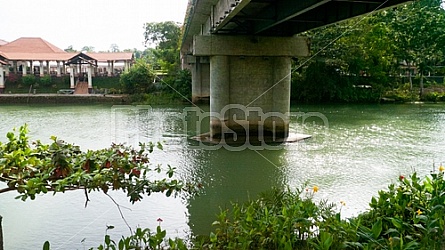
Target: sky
{"type": "Point", "coordinates": [96, 23]}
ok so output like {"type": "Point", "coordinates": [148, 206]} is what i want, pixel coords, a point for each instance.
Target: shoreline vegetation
{"type": "Point", "coordinates": [63, 99]}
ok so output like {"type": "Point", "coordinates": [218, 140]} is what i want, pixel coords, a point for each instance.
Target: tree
{"type": "Point", "coordinates": [70, 49]}
{"type": "Point", "coordinates": [139, 79]}
{"type": "Point", "coordinates": [374, 49]}
{"type": "Point", "coordinates": [165, 36]}
{"type": "Point", "coordinates": [87, 49]}
{"type": "Point", "coordinates": [114, 48]}
{"type": "Point", "coordinates": [418, 31]}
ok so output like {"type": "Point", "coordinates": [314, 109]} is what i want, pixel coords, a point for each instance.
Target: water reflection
{"type": "Point", "coordinates": [231, 176]}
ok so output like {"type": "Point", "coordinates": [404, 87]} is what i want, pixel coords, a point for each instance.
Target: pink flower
{"type": "Point", "coordinates": [401, 177]}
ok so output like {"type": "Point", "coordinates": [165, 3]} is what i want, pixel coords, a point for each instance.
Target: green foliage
{"type": "Point", "coordinates": [409, 215]}
{"type": "Point", "coordinates": [144, 239]}
{"type": "Point", "coordinates": [28, 80]}
{"type": "Point", "coordinates": [374, 50]}
{"type": "Point", "coordinates": [56, 84]}
{"type": "Point", "coordinates": [164, 34]}
{"type": "Point", "coordinates": [179, 85]}
{"type": "Point", "coordinates": [322, 83]}
{"type": "Point", "coordinates": [412, 214]}
{"type": "Point", "coordinates": [32, 169]}
{"type": "Point", "coordinates": [45, 80]}
{"type": "Point", "coordinates": [104, 82]}
{"type": "Point", "coordinates": [139, 79]}
{"type": "Point", "coordinates": [166, 37]}
{"type": "Point", "coordinates": [280, 219]}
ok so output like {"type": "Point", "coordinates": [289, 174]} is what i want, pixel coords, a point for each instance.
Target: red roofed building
{"type": "Point", "coordinates": [34, 55]}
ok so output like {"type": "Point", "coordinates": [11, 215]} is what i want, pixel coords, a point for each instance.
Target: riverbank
{"type": "Point", "coordinates": [62, 99]}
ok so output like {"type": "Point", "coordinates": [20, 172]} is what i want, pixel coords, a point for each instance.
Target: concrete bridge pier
{"type": "Point", "coordinates": [249, 83]}
{"type": "Point", "coordinates": [200, 68]}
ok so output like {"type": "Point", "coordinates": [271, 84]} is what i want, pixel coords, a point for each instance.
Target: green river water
{"type": "Point", "coordinates": [354, 152]}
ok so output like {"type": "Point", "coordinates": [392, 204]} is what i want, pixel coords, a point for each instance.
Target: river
{"type": "Point", "coordinates": [356, 151]}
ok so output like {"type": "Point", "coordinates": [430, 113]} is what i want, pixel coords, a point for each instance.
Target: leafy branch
{"type": "Point", "coordinates": [36, 168]}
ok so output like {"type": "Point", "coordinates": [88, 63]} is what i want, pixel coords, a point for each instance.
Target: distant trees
{"type": "Point", "coordinates": [87, 49]}
{"type": "Point", "coordinates": [375, 50]}
{"type": "Point", "coordinates": [164, 57]}
{"type": "Point", "coordinates": [70, 49]}
{"type": "Point", "coordinates": [418, 31]}
{"type": "Point", "coordinates": [114, 48]}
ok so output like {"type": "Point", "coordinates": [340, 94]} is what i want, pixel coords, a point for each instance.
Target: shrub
{"type": "Point", "coordinates": [180, 85]}
{"type": "Point", "coordinates": [138, 80]}
{"type": "Point", "coordinates": [46, 80]}
{"type": "Point", "coordinates": [411, 214]}
{"type": "Point", "coordinates": [279, 219]}
{"type": "Point", "coordinates": [28, 80]}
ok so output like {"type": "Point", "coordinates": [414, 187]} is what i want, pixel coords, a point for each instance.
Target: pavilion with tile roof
{"type": "Point", "coordinates": [34, 55]}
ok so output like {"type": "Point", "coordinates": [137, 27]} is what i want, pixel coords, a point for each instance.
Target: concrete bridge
{"type": "Point", "coordinates": [240, 52]}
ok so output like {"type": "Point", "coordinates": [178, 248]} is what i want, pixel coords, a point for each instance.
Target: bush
{"type": "Point", "coordinates": [324, 83]}
{"type": "Point", "coordinates": [28, 80]}
{"type": "Point", "coordinates": [182, 85]}
{"type": "Point", "coordinates": [46, 80]}
{"type": "Point", "coordinates": [138, 80]}
{"type": "Point", "coordinates": [280, 219]}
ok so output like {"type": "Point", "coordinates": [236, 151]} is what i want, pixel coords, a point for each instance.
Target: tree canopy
{"type": "Point", "coordinates": [165, 36]}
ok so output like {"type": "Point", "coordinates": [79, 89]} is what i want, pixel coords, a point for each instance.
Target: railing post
{"type": "Point", "coordinates": [1, 234]}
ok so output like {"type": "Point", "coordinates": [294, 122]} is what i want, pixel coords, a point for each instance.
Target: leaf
{"type": "Point", "coordinates": [121, 245]}
{"type": "Point", "coordinates": [107, 240]}
{"type": "Point", "coordinates": [213, 237]}
{"type": "Point", "coordinates": [420, 226]}
{"type": "Point", "coordinates": [377, 228]}
{"type": "Point", "coordinates": [397, 223]}
{"type": "Point", "coordinates": [391, 230]}
{"type": "Point", "coordinates": [46, 245]}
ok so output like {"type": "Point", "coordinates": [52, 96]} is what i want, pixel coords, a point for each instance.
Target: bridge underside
{"type": "Point", "coordinates": [272, 17]}
{"type": "Point", "coordinates": [286, 18]}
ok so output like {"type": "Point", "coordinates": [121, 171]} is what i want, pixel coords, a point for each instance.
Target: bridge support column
{"type": "Point", "coordinates": [200, 68]}
{"type": "Point", "coordinates": [250, 95]}
{"type": "Point", "coordinates": [250, 83]}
